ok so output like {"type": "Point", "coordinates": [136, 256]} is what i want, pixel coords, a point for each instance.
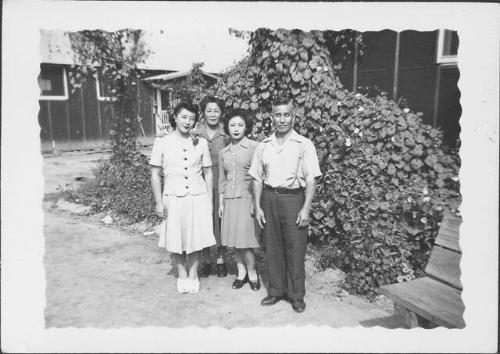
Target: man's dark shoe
{"type": "Point", "coordinates": [205, 270]}
{"type": "Point", "coordinates": [271, 300]}
{"type": "Point", "coordinates": [298, 305]}
{"type": "Point", "coordinates": [221, 270]}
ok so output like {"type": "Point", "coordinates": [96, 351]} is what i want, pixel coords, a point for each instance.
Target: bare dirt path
{"type": "Point", "coordinates": [109, 277]}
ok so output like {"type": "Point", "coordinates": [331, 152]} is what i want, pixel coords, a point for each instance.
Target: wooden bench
{"type": "Point", "coordinates": [434, 299]}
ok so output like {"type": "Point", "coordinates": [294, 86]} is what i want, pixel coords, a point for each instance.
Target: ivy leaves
{"type": "Point", "coordinates": [376, 158]}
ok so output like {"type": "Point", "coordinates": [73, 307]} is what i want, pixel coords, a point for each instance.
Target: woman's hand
{"type": "Point", "coordinates": [161, 210]}
{"type": "Point", "coordinates": [221, 210]}
{"type": "Point", "coordinates": [252, 211]}
{"type": "Point", "coordinates": [259, 215]}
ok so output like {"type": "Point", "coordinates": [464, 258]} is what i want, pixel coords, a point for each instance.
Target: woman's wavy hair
{"type": "Point", "coordinates": [188, 106]}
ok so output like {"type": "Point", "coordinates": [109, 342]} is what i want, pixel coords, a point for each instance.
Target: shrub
{"type": "Point", "coordinates": [385, 182]}
{"type": "Point", "coordinates": [123, 187]}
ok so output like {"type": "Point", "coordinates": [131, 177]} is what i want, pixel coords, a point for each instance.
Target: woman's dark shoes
{"type": "Point", "coordinates": [205, 270]}
{"type": "Point", "coordinates": [298, 305]}
{"type": "Point", "coordinates": [221, 270]}
{"type": "Point", "coordinates": [238, 283]}
{"type": "Point", "coordinates": [254, 284]}
{"type": "Point", "coordinates": [271, 300]}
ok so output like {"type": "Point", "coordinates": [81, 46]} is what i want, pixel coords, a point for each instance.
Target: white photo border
{"type": "Point", "coordinates": [22, 271]}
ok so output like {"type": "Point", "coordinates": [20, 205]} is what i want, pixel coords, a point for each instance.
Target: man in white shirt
{"type": "Point", "coordinates": [284, 169]}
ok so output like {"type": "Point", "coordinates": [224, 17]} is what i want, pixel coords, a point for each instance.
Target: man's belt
{"type": "Point", "coordinates": [283, 190]}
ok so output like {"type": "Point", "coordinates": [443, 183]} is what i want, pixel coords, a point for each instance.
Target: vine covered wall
{"type": "Point", "coordinates": [386, 182]}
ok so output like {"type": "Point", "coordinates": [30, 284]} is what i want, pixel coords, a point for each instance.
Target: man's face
{"type": "Point", "coordinates": [283, 118]}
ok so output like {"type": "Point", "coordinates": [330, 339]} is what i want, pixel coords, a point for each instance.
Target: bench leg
{"type": "Point", "coordinates": [425, 323]}
{"type": "Point", "coordinates": [412, 320]}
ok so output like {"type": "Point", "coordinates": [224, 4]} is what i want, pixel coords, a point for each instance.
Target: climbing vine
{"type": "Point", "coordinates": [113, 57]}
{"type": "Point", "coordinates": [386, 182]}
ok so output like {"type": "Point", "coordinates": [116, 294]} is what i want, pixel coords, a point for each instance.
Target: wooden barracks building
{"type": "Point", "coordinates": [420, 67]}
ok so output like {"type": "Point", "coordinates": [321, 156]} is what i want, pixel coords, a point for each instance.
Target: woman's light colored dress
{"type": "Point", "coordinates": [188, 227]}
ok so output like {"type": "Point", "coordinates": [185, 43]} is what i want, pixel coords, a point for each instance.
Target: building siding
{"type": "Point", "coordinates": [402, 65]}
{"type": "Point", "coordinates": [406, 71]}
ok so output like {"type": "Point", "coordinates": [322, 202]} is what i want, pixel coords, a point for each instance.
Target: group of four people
{"type": "Point", "coordinates": [222, 188]}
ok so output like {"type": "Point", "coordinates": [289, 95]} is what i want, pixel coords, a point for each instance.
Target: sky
{"type": "Point", "coordinates": [172, 48]}
{"type": "Point", "coordinates": [177, 49]}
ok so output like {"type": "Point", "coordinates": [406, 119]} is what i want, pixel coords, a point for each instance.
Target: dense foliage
{"type": "Point", "coordinates": [122, 187]}
{"type": "Point", "coordinates": [386, 182]}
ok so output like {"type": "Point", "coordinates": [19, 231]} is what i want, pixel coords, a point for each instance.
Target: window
{"type": "Point", "coordinates": [52, 82]}
{"type": "Point", "coordinates": [447, 47]}
{"type": "Point", "coordinates": [165, 100]}
{"type": "Point", "coordinates": [104, 90]}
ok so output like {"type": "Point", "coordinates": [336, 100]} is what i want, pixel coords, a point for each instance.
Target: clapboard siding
{"type": "Point", "coordinates": [92, 126]}
{"type": "Point", "coordinates": [43, 121]}
{"type": "Point", "coordinates": [145, 106]}
{"type": "Point", "coordinates": [75, 108]}
{"type": "Point", "coordinates": [417, 49]}
{"type": "Point", "coordinates": [83, 118]}
{"type": "Point", "coordinates": [106, 108]}
{"type": "Point", "coordinates": [379, 51]}
{"type": "Point", "coordinates": [417, 87]}
{"type": "Point", "coordinates": [425, 86]}
{"type": "Point", "coordinates": [449, 108]}
{"type": "Point", "coordinates": [57, 111]}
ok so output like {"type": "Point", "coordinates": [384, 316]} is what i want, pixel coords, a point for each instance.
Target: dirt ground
{"type": "Point", "coordinates": [111, 276]}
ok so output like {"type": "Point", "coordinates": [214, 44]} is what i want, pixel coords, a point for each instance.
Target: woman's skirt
{"type": "Point", "coordinates": [188, 227]}
{"type": "Point", "coordinates": [239, 228]}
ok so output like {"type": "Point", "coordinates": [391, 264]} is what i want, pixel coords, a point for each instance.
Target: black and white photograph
{"type": "Point", "coordinates": [249, 177]}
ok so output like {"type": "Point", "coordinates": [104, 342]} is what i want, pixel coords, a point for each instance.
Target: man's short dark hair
{"type": "Point", "coordinates": [239, 112]}
{"type": "Point", "coordinates": [281, 101]}
{"type": "Point", "coordinates": [188, 106]}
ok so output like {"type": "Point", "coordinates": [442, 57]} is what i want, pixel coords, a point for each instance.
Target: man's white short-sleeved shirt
{"type": "Point", "coordinates": [290, 165]}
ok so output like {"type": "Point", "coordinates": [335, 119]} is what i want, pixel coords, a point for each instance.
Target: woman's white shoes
{"type": "Point", "coordinates": [182, 286]}
{"type": "Point", "coordinates": [188, 285]}
{"type": "Point", "coordinates": [194, 286]}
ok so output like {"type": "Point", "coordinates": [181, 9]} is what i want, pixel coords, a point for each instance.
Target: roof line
{"type": "Point", "coordinates": [175, 75]}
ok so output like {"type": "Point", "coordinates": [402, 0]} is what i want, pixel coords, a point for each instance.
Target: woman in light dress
{"type": "Point", "coordinates": [186, 201]}
{"type": "Point", "coordinates": [239, 228]}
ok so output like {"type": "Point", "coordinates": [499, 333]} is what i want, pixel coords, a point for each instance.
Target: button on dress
{"type": "Point", "coordinates": [188, 227]}
{"type": "Point", "coordinates": [239, 228]}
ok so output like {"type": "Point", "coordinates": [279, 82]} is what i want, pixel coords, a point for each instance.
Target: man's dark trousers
{"type": "Point", "coordinates": [284, 243]}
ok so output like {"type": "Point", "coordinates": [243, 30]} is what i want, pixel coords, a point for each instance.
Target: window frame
{"type": "Point", "coordinates": [64, 97]}
{"type": "Point", "coordinates": [444, 59]}
{"type": "Point", "coordinates": [98, 93]}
